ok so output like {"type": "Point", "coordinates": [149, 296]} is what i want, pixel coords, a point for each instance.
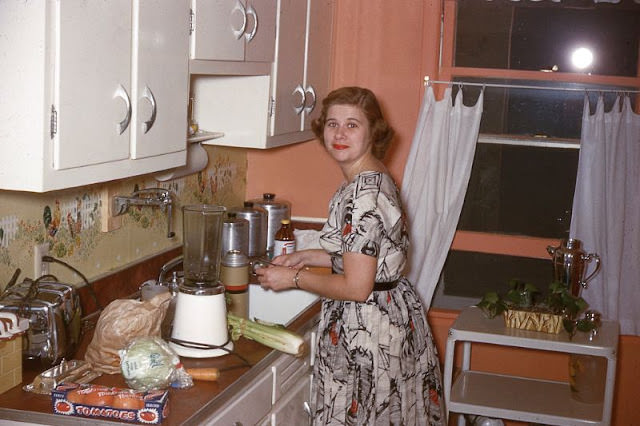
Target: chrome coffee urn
{"type": "Point", "coordinates": [200, 320]}
{"type": "Point", "coordinates": [570, 263]}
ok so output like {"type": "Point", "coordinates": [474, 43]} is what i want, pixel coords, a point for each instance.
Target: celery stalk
{"type": "Point", "coordinates": [274, 336]}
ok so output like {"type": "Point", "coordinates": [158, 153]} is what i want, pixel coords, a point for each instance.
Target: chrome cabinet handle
{"type": "Point", "coordinates": [299, 90]}
{"type": "Point", "coordinates": [307, 409]}
{"type": "Point", "coordinates": [121, 93]}
{"type": "Point", "coordinates": [310, 93]}
{"type": "Point", "coordinates": [252, 12]}
{"type": "Point", "coordinates": [148, 95]}
{"type": "Point", "coordinates": [240, 7]}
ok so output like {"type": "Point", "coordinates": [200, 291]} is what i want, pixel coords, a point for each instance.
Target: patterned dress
{"type": "Point", "coordinates": [377, 363]}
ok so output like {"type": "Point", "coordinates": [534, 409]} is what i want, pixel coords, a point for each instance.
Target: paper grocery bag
{"type": "Point", "coordinates": [119, 323]}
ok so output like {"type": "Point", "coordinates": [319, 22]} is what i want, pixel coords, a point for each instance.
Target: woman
{"type": "Point", "coordinates": [376, 361]}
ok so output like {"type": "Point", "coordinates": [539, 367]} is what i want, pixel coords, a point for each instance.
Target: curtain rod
{"type": "Point", "coordinates": [428, 81]}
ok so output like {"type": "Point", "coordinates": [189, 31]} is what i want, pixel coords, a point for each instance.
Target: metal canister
{"type": "Point", "coordinates": [234, 275]}
{"type": "Point", "coordinates": [235, 234]}
{"type": "Point", "coordinates": [276, 211]}
{"type": "Point", "coordinates": [257, 218]}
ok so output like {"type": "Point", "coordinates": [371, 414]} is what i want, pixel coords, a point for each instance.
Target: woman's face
{"type": "Point", "coordinates": [346, 134]}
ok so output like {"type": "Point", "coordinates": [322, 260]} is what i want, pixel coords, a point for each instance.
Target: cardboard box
{"type": "Point", "coordinates": [87, 400]}
{"type": "Point", "coordinates": [10, 363]}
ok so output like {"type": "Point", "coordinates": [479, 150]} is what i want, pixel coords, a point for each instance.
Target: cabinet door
{"type": "Point", "coordinates": [292, 408]}
{"type": "Point", "coordinates": [288, 90]}
{"type": "Point", "coordinates": [317, 68]}
{"type": "Point", "coordinates": [218, 30]}
{"type": "Point", "coordinates": [91, 82]}
{"type": "Point", "coordinates": [160, 87]}
{"type": "Point", "coordinates": [260, 35]}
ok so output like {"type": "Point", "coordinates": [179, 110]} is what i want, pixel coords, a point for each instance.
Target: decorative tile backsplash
{"type": "Point", "coordinates": [69, 221]}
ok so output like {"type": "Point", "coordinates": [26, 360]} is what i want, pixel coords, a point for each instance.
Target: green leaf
{"type": "Point", "coordinates": [47, 216]}
{"type": "Point", "coordinates": [585, 325]}
{"type": "Point", "coordinates": [491, 297]}
{"type": "Point", "coordinates": [569, 326]}
{"type": "Point", "coordinates": [491, 304]}
{"type": "Point", "coordinates": [582, 304]}
{"type": "Point", "coordinates": [557, 287]}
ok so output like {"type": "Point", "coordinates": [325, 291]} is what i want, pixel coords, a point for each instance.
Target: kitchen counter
{"type": "Point", "coordinates": [186, 406]}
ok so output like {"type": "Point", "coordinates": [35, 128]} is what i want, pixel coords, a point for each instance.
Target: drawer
{"type": "Point", "coordinates": [293, 408]}
{"type": "Point", "coordinates": [286, 373]}
{"type": "Point", "coordinates": [251, 405]}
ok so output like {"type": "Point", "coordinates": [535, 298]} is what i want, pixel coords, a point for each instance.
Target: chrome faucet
{"type": "Point", "coordinates": [147, 197]}
{"type": "Point", "coordinates": [169, 266]}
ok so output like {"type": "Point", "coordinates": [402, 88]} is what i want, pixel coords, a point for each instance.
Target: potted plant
{"type": "Point", "coordinates": [523, 308]}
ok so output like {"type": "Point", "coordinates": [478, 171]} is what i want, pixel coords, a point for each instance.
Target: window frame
{"type": "Point", "coordinates": [492, 243]}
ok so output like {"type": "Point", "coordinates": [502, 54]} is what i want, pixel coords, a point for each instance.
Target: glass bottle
{"type": "Point", "coordinates": [587, 378]}
{"type": "Point", "coordinates": [284, 241]}
{"type": "Point", "coordinates": [193, 127]}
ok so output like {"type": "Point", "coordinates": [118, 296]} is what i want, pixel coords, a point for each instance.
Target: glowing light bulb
{"type": "Point", "coordinates": [582, 58]}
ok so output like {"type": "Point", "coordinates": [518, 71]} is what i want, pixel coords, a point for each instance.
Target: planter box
{"type": "Point", "coordinates": [535, 321]}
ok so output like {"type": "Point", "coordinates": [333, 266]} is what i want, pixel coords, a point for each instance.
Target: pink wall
{"type": "Point", "coordinates": [377, 44]}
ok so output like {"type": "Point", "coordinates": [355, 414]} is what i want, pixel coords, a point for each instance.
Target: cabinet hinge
{"type": "Point", "coordinates": [53, 125]}
{"type": "Point", "coordinates": [272, 106]}
{"type": "Point", "coordinates": [191, 21]}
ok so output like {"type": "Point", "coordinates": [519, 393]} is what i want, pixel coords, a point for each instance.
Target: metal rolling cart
{"type": "Point", "coordinates": [518, 398]}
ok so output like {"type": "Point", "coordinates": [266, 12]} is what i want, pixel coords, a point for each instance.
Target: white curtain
{"type": "Point", "coordinates": [435, 181]}
{"type": "Point", "coordinates": [606, 210]}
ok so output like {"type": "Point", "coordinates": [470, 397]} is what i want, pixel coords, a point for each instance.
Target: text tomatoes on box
{"type": "Point", "coordinates": [87, 400]}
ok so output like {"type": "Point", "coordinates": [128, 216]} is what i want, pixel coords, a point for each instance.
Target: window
{"type": "Point", "coordinates": [529, 35]}
{"type": "Point", "coordinates": [524, 172]}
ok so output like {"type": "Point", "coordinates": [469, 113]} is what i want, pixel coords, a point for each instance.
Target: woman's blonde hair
{"type": "Point", "coordinates": [380, 131]}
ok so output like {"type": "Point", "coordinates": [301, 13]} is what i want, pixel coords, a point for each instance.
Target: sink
{"type": "Point", "coordinates": [278, 307]}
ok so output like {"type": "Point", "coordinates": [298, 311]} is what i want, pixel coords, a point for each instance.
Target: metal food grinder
{"type": "Point", "coordinates": [200, 321]}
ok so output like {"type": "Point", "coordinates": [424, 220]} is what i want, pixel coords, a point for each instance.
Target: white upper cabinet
{"type": "Point", "coordinates": [92, 91]}
{"type": "Point", "coordinates": [317, 71]}
{"type": "Point", "coordinates": [86, 78]}
{"type": "Point", "coordinates": [233, 30]}
{"type": "Point", "coordinates": [265, 111]}
{"type": "Point", "coordinates": [302, 67]}
{"type": "Point", "coordinates": [160, 77]}
{"type": "Point", "coordinates": [288, 89]}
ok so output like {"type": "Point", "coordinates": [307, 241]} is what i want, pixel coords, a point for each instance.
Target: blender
{"type": "Point", "coordinates": [200, 319]}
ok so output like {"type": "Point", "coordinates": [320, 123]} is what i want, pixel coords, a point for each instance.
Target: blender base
{"type": "Point", "coordinates": [201, 353]}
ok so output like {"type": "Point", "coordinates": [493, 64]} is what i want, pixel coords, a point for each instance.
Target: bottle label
{"type": "Point", "coordinates": [283, 247]}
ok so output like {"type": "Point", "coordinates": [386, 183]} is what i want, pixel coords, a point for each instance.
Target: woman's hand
{"type": "Point", "coordinates": [302, 258]}
{"type": "Point", "coordinates": [294, 260]}
{"type": "Point", "coordinates": [275, 277]}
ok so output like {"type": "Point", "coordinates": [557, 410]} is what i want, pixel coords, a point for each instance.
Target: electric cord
{"type": "Point", "coordinates": [205, 346]}
{"type": "Point", "coordinates": [31, 292]}
{"type": "Point", "coordinates": [92, 291]}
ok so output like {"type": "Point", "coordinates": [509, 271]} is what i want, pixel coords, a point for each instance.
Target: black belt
{"type": "Point", "coordinates": [386, 286]}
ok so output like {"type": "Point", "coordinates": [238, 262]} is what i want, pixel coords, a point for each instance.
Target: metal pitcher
{"type": "Point", "coordinates": [570, 264]}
